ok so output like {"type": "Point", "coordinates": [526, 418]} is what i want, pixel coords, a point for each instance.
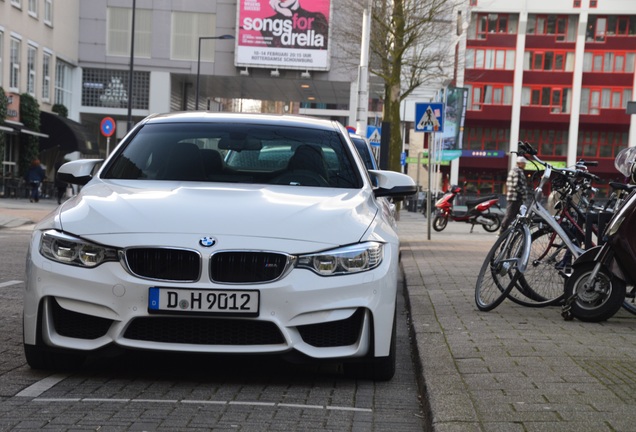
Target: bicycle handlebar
{"type": "Point", "coordinates": [527, 148]}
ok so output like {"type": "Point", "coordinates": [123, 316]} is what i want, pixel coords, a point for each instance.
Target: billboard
{"type": "Point", "coordinates": [286, 34]}
{"type": "Point", "coordinates": [456, 98]}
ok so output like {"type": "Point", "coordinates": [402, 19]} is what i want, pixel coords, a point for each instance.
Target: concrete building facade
{"type": "Point", "coordinates": [555, 73]}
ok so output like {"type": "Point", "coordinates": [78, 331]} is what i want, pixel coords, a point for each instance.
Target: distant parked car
{"type": "Point", "coordinates": [364, 148]}
{"type": "Point", "coordinates": [220, 233]}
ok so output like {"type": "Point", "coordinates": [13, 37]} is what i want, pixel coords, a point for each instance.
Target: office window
{"type": "Point", "coordinates": [558, 99]}
{"type": "Point", "coordinates": [109, 88]}
{"type": "Point", "coordinates": [562, 27]}
{"type": "Point", "coordinates": [544, 60]}
{"type": "Point", "coordinates": [594, 99]}
{"type": "Point", "coordinates": [33, 8]}
{"type": "Point", "coordinates": [488, 94]}
{"type": "Point", "coordinates": [32, 53]}
{"type": "Point", "coordinates": [601, 144]}
{"type": "Point", "coordinates": [601, 26]}
{"type": "Point", "coordinates": [17, 3]}
{"type": "Point", "coordinates": [46, 77]}
{"type": "Point", "coordinates": [119, 26]}
{"type": "Point", "coordinates": [608, 62]}
{"type": "Point", "coordinates": [478, 138]}
{"type": "Point", "coordinates": [548, 142]}
{"type": "Point", "coordinates": [48, 12]}
{"type": "Point", "coordinates": [63, 82]}
{"type": "Point", "coordinates": [499, 59]}
{"type": "Point", "coordinates": [14, 66]}
{"type": "Point", "coordinates": [186, 30]}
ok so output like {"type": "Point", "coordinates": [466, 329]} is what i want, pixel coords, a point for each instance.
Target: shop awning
{"type": "Point", "coordinates": [66, 134]}
{"type": "Point", "coordinates": [17, 127]}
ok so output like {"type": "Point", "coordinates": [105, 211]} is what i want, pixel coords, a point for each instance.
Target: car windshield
{"type": "Point", "coordinates": [236, 153]}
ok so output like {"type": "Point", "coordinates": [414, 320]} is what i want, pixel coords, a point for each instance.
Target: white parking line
{"type": "Point", "coordinates": [10, 283]}
{"type": "Point", "coordinates": [35, 390]}
{"type": "Point", "coordinates": [209, 402]}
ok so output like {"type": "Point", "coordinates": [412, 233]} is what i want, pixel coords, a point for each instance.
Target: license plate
{"type": "Point", "coordinates": [213, 302]}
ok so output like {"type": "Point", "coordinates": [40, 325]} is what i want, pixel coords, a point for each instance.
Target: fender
{"type": "Point", "coordinates": [588, 256]}
{"type": "Point", "coordinates": [597, 254]}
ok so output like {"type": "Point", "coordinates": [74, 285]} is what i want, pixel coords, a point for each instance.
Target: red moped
{"type": "Point", "coordinates": [477, 213]}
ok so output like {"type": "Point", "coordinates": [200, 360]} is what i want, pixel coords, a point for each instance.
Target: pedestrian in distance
{"type": "Point", "coordinates": [60, 186]}
{"type": "Point", "coordinates": [34, 177]}
{"type": "Point", "coordinates": [516, 192]}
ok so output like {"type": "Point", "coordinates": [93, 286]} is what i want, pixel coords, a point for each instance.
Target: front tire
{"type": "Point", "coordinates": [39, 357]}
{"type": "Point", "coordinates": [440, 222]}
{"type": "Point", "coordinates": [376, 368]}
{"type": "Point", "coordinates": [598, 302]}
{"type": "Point", "coordinates": [498, 273]}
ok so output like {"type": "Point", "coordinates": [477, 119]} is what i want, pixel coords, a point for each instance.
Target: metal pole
{"type": "Point", "coordinates": [196, 91]}
{"type": "Point", "coordinates": [130, 72]}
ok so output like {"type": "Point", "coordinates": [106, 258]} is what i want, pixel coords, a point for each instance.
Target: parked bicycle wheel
{"type": "Point", "coordinates": [542, 282]}
{"type": "Point", "coordinates": [599, 300]}
{"type": "Point", "coordinates": [498, 274]}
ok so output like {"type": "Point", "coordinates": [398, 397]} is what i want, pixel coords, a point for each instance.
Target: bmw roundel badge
{"type": "Point", "coordinates": [207, 241]}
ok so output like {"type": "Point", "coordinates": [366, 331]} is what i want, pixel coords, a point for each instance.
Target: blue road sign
{"type": "Point", "coordinates": [374, 135]}
{"type": "Point", "coordinates": [429, 117]}
{"type": "Point", "coordinates": [107, 126]}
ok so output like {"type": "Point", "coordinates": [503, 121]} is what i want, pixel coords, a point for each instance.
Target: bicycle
{"type": "Point", "coordinates": [507, 261]}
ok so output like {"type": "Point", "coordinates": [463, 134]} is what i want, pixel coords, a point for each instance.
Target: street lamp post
{"type": "Point", "coordinates": [196, 95]}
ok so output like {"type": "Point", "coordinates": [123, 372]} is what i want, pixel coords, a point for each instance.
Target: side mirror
{"type": "Point", "coordinates": [392, 184]}
{"type": "Point", "coordinates": [78, 172]}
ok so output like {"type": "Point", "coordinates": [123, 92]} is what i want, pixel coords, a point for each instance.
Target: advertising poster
{"type": "Point", "coordinates": [286, 34]}
{"type": "Point", "coordinates": [454, 118]}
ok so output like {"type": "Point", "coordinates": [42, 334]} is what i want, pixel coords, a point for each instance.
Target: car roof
{"type": "Point", "coordinates": [254, 118]}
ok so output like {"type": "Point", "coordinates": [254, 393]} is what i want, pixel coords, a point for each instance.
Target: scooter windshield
{"type": "Point", "coordinates": [625, 160]}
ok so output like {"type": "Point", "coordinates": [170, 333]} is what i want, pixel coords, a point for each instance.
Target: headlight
{"type": "Point", "coordinates": [346, 260]}
{"type": "Point", "coordinates": [67, 249]}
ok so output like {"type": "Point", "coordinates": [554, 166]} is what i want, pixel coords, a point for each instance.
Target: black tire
{"type": "Point", "coordinates": [496, 224]}
{"type": "Point", "coordinates": [498, 273]}
{"type": "Point", "coordinates": [542, 284]}
{"type": "Point", "coordinates": [39, 357]}
{"type": "Point", "coordinates": [375, 368]}
{"type": "Point", "coordinates": [598, 304]}
{"type": "Point", "coordinates": [440, 222]}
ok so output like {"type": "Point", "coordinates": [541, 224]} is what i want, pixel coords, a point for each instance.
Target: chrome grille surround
{"type": "Point", "coordinates": [162, 263]}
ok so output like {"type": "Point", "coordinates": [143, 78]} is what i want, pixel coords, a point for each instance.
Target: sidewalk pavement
{"type": "Point", "coordinates": [512, 369]}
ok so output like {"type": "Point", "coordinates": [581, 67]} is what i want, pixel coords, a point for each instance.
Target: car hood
{"type": "Point", "coordinates": [322, 215]}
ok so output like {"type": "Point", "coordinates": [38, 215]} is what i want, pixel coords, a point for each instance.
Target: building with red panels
{"type": "Point", "coordinates": [555, 73]}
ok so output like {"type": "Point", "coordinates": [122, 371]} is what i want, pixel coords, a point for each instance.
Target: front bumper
{"type": "Point", "coordinates": [320, 317]}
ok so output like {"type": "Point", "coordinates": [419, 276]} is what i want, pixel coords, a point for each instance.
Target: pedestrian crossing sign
{"type": "Point", "coordinates": [429, 117]}
{"type": "Point", "coordinates": [374, 135]}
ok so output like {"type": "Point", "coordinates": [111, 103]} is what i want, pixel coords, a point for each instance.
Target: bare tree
{"type": "Point", "coordinates": [411, 45]}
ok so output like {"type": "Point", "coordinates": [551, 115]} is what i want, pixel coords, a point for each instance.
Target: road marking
{"type": "Point", "coordinates": [208, 402]}
{"type": "Point", "coordinates": [35, 390]}
{"type": "Point", "coordinates": [10, 283]}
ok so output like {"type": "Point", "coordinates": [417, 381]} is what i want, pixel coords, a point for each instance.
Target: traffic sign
{"type": "Point", "coordinates": [429, 117]}
{"type": "Point", "coordinates": [107, 126]}
{"type": "Point", "coordinates": [374, 135]}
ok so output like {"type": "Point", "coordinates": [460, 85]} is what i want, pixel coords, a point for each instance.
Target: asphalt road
{"type": "Point", "coordinates": [151, 392]}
